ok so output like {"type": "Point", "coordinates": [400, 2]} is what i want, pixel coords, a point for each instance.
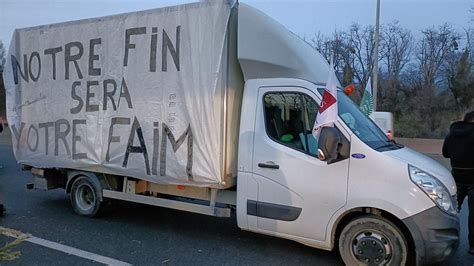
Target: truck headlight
{"type": "Point", "coordinates": [433, 188]}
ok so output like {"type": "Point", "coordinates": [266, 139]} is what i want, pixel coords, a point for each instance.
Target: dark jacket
{"type": "Point", "coordinates": [459, 147]}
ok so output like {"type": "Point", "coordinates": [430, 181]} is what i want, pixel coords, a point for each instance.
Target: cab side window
{"type": "Point", "coordinates": [289, 119]}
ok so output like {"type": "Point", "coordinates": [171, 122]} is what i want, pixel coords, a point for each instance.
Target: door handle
{"type": "Point", "coordinates": [270, 165]}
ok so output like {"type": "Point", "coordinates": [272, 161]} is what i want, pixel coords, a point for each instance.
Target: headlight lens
{"type": "Point", "coordinates": [433, 188]}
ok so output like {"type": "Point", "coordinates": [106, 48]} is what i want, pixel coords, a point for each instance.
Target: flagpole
{"type": "Point", "coordinates": [376, 56]}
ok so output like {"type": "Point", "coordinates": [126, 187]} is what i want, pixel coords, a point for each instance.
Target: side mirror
{"type": "Point", "coordinates": [332, 145]}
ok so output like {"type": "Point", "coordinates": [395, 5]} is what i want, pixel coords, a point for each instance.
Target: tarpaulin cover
{"type": "Point", "coordinates": [137, 94]}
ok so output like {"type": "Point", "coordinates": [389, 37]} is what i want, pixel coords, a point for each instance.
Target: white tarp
{"type": "Point", "coordinates": [135, 94]}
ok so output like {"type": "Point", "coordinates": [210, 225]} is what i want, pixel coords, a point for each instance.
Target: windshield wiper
{"type": "Point", "coordinates": [390, 144]}
{"type": "Point", "coordinates": [398, 145]}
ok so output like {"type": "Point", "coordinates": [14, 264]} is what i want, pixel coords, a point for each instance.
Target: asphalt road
{"type": "Point", "coordinates": [145, 235]}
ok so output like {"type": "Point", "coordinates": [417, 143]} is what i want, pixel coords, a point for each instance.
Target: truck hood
{"type": "Point", "coordinates": [427, 164]}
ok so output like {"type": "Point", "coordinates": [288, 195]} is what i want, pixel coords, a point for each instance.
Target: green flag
{"type": "Point", "coordinates": [367, 102]}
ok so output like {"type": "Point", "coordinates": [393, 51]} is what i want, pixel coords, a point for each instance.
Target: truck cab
{"type": "Point", "coordinates": [380, 192]}
{"type": "Point", "coordinates": [377, 202]}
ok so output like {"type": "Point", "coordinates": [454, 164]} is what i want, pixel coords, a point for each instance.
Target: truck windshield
{"type": "Point", "coordinates": [362, 126]}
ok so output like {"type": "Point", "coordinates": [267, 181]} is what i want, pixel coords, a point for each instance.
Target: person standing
{"type": "Point", "coordinates": [2, 209]}
{"type": "Point", "coordinates": [1, 130]}
{"type": "Point", "coordinates": [458, 146]}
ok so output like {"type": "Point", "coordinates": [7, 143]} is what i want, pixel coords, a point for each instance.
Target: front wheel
{"type": "Point", "coordinates": [84, 197]}
{"type": "Point", "coordinates": [372, 240]}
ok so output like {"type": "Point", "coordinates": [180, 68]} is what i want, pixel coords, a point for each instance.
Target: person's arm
{"type": "Point", "coordinates": [446, 147]}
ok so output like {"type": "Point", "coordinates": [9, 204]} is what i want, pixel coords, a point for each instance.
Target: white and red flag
{"type": "Point", "coordinates": [327, 113]}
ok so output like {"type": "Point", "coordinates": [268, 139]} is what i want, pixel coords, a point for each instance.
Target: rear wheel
{"type": "Point", "coordinates": [84, 197]}
{"type": "Point", "coordinates": [372, 240]}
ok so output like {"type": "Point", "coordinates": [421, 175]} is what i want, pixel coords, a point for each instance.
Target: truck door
{"type": "Point", "coordinates": [297, 193]}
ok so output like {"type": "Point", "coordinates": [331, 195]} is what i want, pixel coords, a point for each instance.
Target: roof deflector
{"type": "Point", "coordinates": [266, 49]}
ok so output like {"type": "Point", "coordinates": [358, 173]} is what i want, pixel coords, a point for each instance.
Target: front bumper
{"type": "Point", "coordinates": [435, 233]}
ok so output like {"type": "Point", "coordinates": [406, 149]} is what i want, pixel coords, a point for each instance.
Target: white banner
{"type": "Point", "coordinates": [134, 94]}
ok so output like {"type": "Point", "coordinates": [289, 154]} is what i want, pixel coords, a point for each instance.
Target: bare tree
{"type": "Point", "coordinates": [469, 33]}
{"type": "Point", "coordinates": [433, 49]}
{"type": "Point", "coordinates": [2, 88]}
{"type": "Point", "coordinates": [3, 55]}
{"type": "Point", "coordinates": [471, 11]}
{"type": "Point", "coordinates": [417, 80]}
{"type": "Point", "coordinates": [396, 46]}
{"type": "Point", "coordinates": [461, 82]}
{"type": "Point", "coordinates": [347, 75]}
{"type": "Point", "coordinates": [360, 57]}
{"type": "Point", "coordinates": [353, 53]}
{"type": "Point", "coordinates": [334, 46]}
{"type": "Point", "coordinates": [322, 44]}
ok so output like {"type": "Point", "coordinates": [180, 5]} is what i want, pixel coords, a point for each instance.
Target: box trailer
{"type": "Point", "coordinates": [209, 107]}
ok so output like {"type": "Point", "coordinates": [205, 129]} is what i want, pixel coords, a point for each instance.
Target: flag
{"type": "Point", "coordinates": [367, 102]}
{"type": "Point", "coordinates": [327, 113]}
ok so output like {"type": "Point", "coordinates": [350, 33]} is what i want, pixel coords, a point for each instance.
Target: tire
{"type": "Point", "coordinates": [84, 197]}
{"type": "Point", "coordinates": [372, 240]}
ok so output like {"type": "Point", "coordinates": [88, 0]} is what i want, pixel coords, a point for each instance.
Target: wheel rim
{"type": "Point", "coordinates": [372, 247]}
{"type": "Point", "coordinates": [85, 197]}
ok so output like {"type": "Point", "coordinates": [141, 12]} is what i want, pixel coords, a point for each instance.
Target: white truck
{"type": "Point", "coordinates": [384, 120]}
{"type": "Point", "coordinates": [208, 107]}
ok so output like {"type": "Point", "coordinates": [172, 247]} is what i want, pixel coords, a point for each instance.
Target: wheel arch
{"type": "Point", "coordinates": [352, 214]}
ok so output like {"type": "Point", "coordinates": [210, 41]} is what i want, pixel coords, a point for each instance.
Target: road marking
{"type": "Point", "coordinates": [60, 247]}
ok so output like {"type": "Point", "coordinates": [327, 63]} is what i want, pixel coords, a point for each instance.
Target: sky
{"type": "Point", "coordinates": [303, 17]}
